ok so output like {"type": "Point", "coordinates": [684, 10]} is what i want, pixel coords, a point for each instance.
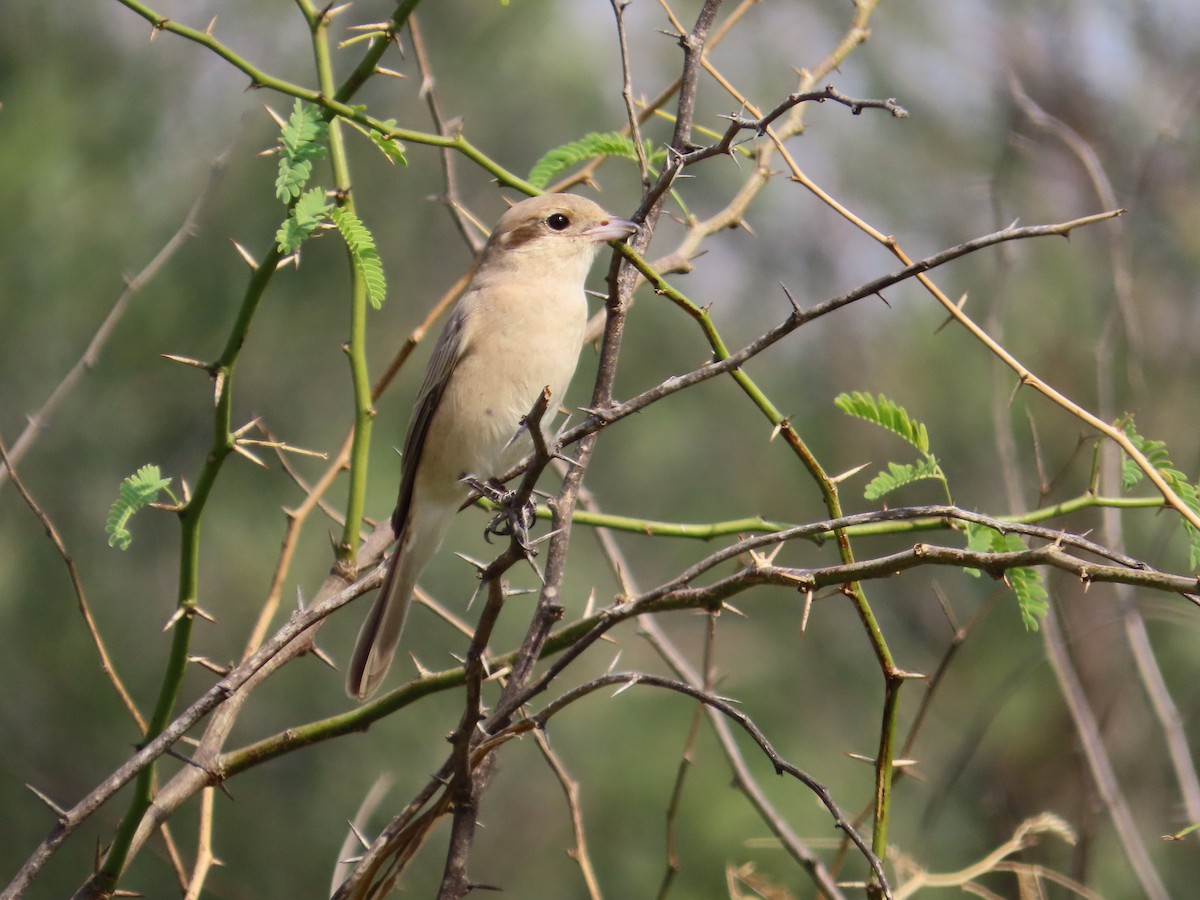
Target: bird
{"type": "Point", "coordinates": [517, 330]}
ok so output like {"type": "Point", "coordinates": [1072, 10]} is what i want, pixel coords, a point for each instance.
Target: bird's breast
{"type": "Point", "coordinates": [514, 345]}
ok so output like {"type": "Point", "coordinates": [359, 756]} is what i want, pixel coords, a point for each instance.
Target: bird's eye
{"type": "Point", "coordinates": [557, 222]}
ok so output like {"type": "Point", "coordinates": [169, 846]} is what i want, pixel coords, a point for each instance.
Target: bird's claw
{"type": "Point", "coordinates": [513, 520]}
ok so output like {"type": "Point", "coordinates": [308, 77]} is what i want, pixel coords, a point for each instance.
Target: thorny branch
{"type": "Point", "coordinates": [759, 126]}
{"type": "Point", "coordinates": [467, 766]}
{"type": "Point", "coordinates": [722, 705]}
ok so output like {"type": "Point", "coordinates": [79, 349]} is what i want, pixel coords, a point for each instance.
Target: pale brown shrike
{"type": "Point", "coordinates": [516, 331]}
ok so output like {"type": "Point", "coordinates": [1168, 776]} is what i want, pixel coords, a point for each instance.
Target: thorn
{"type": "Point", "coordinates": [295, 257]}
{"type": "Point", "coordinates": [251, 424]}
{"type": "Point", "coordinates": [337, 10]}
{"type": "Point", "coordinates": [358, 835]}
{"type": "Point", "coordinates": [175, 617]}
{"type": "Point", "coordinates": [626, 686]}
{"type": "Point", "coordinates": [391, 73]}
{"type": "Point", "coordinates": [503, 672]}
{"type": "Point", "coordinates": [54, 807]}
{"type": "Point", "coordinates": [791, 299]}
{"type": "Point", "coordinates": [218, 386]}
{"type": "Point", "coordinates": [849, 473]}
{"type": "Point", "coordinates": [240, 448]}
{"type": "Point", "coordinates": [478, 886]}
{"type": "Point", "coordinates": [421, 670]}
{"type": "Point", "coordinates": [475, 593]}
{"type": "Point", "coordinates": [959, 305]}
{"type": "Point", "coordinates": [322, 656]}
{"type": "Point", "coordinates": [206, 616]}
{"type": "Point", "coordinates": [545, 537]}
{"type": "Point", "coordinates": [209, 29]}
{"type": "Point", "coordinates": [518, 592]}
{"type": "Point", "coordinates": [569, 460]}
{"type": "Point", "coordinates": [612, 665]}
{"type": "Point", "coordinates": [205, 663]}
{"type": "Point", "coordinates": [733, 609]}
{"type": "Point", "coordinates": [591, 603]}
{"type": "Point", "coordinates": [274, 115]}
{"type": "Point", "coordinates": [479, 566]}
{"type": "Point", "coordinates": [808, 600]}
{"type": "Point", "coordinates": [762, 560]}
{"type": "Point", "coordinates": [187, 361]}
{"type": "Point", "coordinates": [536, 570]}
{"type": "Point", "coordinates": [245, 254]}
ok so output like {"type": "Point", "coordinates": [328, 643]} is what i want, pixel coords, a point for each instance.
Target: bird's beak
{"type": "Point", "coordinates": [612, 229]}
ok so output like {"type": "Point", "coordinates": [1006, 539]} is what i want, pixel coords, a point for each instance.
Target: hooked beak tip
{"type": "Point", "coordinates": [613, 229]}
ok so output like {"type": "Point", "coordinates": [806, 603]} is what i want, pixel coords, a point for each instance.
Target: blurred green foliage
{"type": "Point", "coordinates": [106, 138]}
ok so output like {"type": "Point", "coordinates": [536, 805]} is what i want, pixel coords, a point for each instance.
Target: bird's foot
{"type": "Point", "coordinates": [513, 520]}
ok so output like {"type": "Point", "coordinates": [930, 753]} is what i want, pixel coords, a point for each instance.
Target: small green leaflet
{"type": "Point", "coordinates": [389, 147]}
{"type": "Point", "coordinates": [590, 146]}
{"type": "Point", "coordinates": [363, 252]}
{"type": "Point", "coordinates": [1156, 453]}
{"type": "Point", "coordinates": [309, 212]}
{"type": "Point", "coordinates": [300, 142]}
{"type": "Point", "coordinates": [137, 491]}
{"type": "Point", "coordinates": [1027, 585]}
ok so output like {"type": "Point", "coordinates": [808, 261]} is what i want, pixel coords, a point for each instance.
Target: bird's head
{"type": "Point", "coordinates": [558, 233]}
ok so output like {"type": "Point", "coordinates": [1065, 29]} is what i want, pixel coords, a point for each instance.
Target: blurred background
{"type": "Point", "coordinates": [107, 136]}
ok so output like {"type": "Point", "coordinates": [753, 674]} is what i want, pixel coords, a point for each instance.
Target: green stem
{"type": "Point", "coordinates": [105, 880]}
{"type": "Point", "coordinates": [892, 675]}
{"type": "Point", "coordinates": [334, 102]}
{"type": "Point", "coordinates": [706, 531]}
{"type": "Point", "coordinates": [356, 349]}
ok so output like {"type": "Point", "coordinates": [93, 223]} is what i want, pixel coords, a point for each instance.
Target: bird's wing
{"type": "Point", "coordinates": [446, 354]}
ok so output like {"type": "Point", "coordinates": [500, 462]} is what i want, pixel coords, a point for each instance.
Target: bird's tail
{"type": "Point", "coordinates": [380, 632]}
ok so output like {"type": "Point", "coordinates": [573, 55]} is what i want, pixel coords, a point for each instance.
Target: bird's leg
{"type": "Point", "coordinates": [513, 519]}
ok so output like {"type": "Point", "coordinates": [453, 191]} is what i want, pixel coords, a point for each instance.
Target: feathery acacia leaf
{"type": "Point", "coordinates": [300, 142]}
{"type": "Point", "coordinates": [894, 418]}
{"type": "Point", "coordinates": [590, 146]}
{"type": "Point", "coordinates": [1032, 598]}
{"type": "Point", "coordinates": [899, 475]}
{"type": "Point", "coordinates": [310, 210]}
{"type": "Point", "coordinates": [1156, 453]}
{"type": "Point", "coordinates": [137, 491]}
{"type": "Point", "coordinates": [362, 251]}
{"type": "Point", "coordinates": [1026, 583]}
{"type": "Point", "coordinates": [389, 147]}
{"type": "Point", "coordinates": [886, 414]}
